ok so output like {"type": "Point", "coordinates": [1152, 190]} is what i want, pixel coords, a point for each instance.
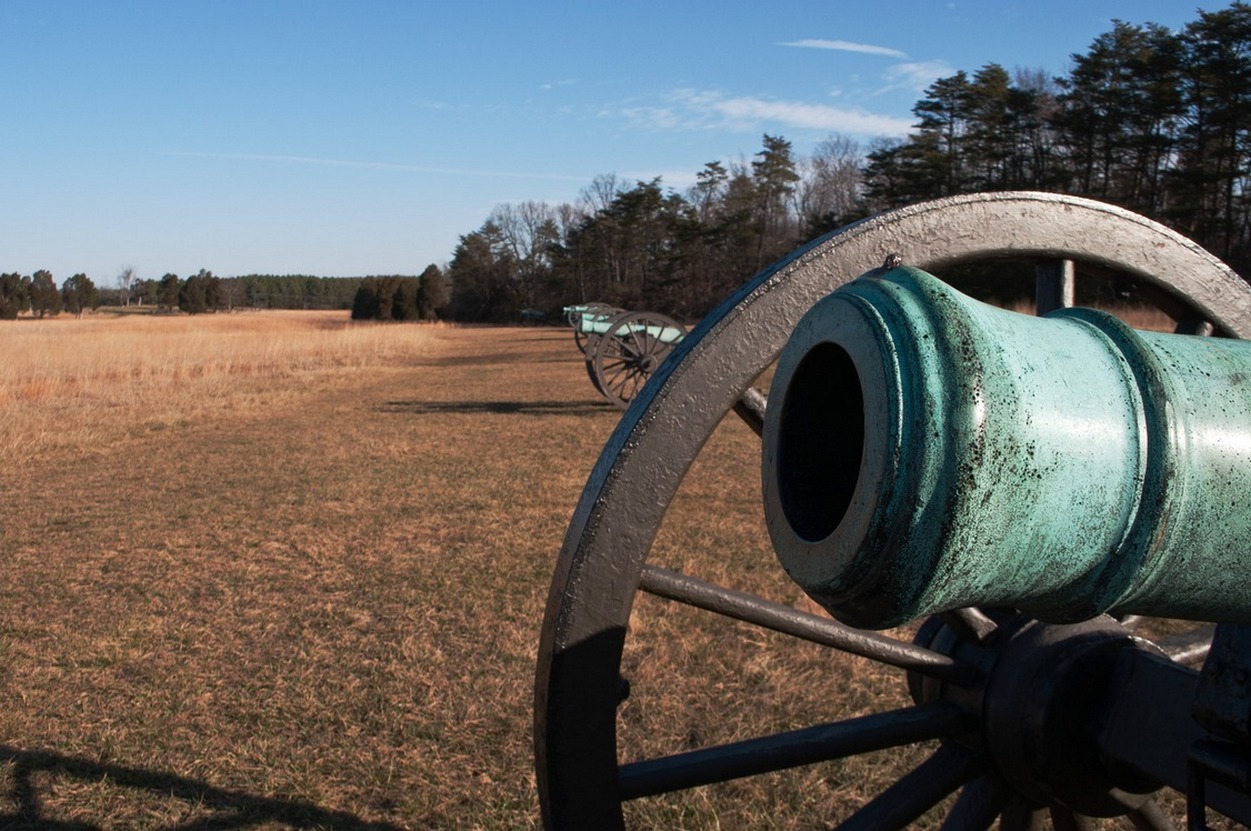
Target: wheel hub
{"type": "Point", "coordinates": [1039, 706]}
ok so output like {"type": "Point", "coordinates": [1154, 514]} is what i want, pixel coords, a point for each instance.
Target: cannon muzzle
{"type": "Point", "coordinates": [924, 451]}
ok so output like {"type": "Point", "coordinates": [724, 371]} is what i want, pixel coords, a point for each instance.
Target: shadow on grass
{"type": "Point", "coordinates": [578, 408]}
{"type": "Point", "coordinates": [510, 359]}
{"type": "Point", "coordinates": [231, 809]}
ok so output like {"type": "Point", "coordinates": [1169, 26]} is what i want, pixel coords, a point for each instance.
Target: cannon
{"type": "Point", "coordinates": [930, 452]}
{"type": "Point", "coordinates": [622, 348]}
{"type": "Point", "coordinates": [584, 334]}
{"type": "Point", "coordinates": [1021, 490]}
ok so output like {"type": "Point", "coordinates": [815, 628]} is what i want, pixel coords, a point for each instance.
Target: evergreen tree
{"type": "Point", "coordinates": [432, 293]}
{"type": "Point", "coordinates": [992, 135]}
{"type": "Point", "coordinates": [45, 298]}
{"type": "Point", "coordinates": [367, 302]}
{"type": "Point", "coordinates": [1097, 119]}
{"type": "Point", "coordinates": [167, 291]}
{"type": "Point", "coordinates": [78, 294]}
{"type": "Point", "coordinates": [774, 176]}
{"type": "Point", "coordinates": [14, 295]}
{"type": "Point", "coordinates": [214, 297]}
{"type": "Point", "coordinates": [942, 128]}
{"type": "Point", "coordinates": [193, 294]}
{"type": "Point", "coordinates": [1215, 157]}
{"type": "Point", "coordinates": [404, 305]}
{"type": "Point", "coordinates": [480, 274]}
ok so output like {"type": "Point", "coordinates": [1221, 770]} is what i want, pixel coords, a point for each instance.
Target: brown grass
{"type": "Point", "coordinates": [70, 383]}
{"type": "Point", "coordinates": [279, 571]}
{"type": "Point", "coordinates": [302, 597]}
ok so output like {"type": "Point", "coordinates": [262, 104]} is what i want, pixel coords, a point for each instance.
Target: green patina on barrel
{"type": "Point", "coordinates": [924, 451]}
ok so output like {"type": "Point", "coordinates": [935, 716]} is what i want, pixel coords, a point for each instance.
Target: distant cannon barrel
{"type": "Point", "coordinates": [924, 451]}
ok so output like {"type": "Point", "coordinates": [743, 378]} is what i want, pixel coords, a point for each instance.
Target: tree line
{"type": "Point", "coordinates": [1151, 119]}
{"type": "Point", "coordinates": [402, 298]}
{"type": "Point", "coordinates": [38, 295]}
{"type": "Point", "coordinates": [1155, 120]}
{"type": "Point", "coordinates": [640, 245]}
{"type": "Point", "coordinates": [205, 292]}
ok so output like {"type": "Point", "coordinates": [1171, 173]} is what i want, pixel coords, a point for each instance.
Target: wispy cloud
{"type": "Point", "coordinates": [401, 168]}
{"type": "Point", "coordinates": [695, 109]}
{"type": "Point", "coordinates": [658, 118]}
{"type": "Point", "coordinates": [915, 76]}
{"type": "Point", "coordinates": [848, 46]}
{"type": "Point", "coordinates": [909, 75]}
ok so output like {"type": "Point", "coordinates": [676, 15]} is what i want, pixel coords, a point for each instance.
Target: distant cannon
{"type": "Point", "coordinates": [584, 336]}
{"type": "Point", "coordinates": [1018, 489]}
{"type": "Point", "coordinates": [622, 348]}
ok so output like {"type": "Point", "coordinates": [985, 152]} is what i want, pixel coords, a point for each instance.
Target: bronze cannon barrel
{"type": "Point", "coordinates": [924, 451]}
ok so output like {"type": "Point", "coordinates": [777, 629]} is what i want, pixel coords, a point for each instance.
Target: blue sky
{"type": "Point", "coordinates": [351, 138]}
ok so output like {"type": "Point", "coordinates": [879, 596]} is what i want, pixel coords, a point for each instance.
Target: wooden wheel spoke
{"type": "Point", "coordinates": [1194, 326]}
{"type": "Point", "coordinates": [1020, 815]}
{"type": "Point", "coordinates": [615, 366]}
{"type": "Point", "coordinates": [622, 376]}
{"type": "Point", "coordinates": [1189, 647]}
{"type": "Point", "coordinates": [1065, 819]}
{"type": "Point", "coordinates": [633, 346]}
{"type": "Point", "coordinates": [979, 804]}
{"type": "Point", "coordinates": [1053, 286]}
{"type": "Point", "coordinates": [787, 750]}
{"type": "Point", "coordinates": [970, 623]}
{"type": "Point", "coordinates": [629, 344]}
{"type": "Point", "coordinates": [751, 408]}
{"type": "Point", "coordinates": [916, 791]}
{"type": "Point", "coordinates": [790, 621]}
{"type": "Point", "coordinates": [638, 342]}
{"type": "Point", "coordinates": [1149, 817]}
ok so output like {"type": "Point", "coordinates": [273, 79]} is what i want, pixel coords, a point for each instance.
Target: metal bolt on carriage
{"type": "Point", "coordinates": [1026, 493]}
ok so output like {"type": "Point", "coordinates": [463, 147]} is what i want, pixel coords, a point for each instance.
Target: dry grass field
{"type": "Point", "coordinates": [277, 570]}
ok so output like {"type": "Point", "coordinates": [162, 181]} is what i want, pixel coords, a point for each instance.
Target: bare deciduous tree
{"type": "Point", "coordinates": [126, 279]}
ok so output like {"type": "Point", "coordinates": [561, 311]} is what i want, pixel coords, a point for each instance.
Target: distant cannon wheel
{"type": "Point", "coordinates": [632, 348]}
{"type": "Point", "coordinates": [603, 565]}
{"type": "Point", "coordinates": [584, 340]}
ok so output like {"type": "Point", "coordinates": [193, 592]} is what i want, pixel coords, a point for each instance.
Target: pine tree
{"type": "Point", "coordinates": [78, 294]}
{"type": "Point", "coordinates": [45, 299]}
{"type": "Point", "coordinates": [432, 293]}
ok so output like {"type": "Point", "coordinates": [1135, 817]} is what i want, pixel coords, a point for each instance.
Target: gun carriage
{"type": "Point", "coordinates": [1023, 489]}
{"type": "Point", "coordinates": [622, 348]}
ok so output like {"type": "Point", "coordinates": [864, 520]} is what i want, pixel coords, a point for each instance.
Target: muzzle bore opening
{"type": "Point", "coordinates": [820, 441]}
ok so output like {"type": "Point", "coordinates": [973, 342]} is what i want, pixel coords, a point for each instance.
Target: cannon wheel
{"type": "Point", "coordinates": [584, 340]}
{"type": "Point", "coordinates": [603, 565]}
{"type": "Point", "coordinates": [627, 355]}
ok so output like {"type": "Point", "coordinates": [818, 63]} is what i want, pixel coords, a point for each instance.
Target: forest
{"type": "Point", "coordinates": [38, 295]}
{"type": "Point", "coordinates": [1151, 119]}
